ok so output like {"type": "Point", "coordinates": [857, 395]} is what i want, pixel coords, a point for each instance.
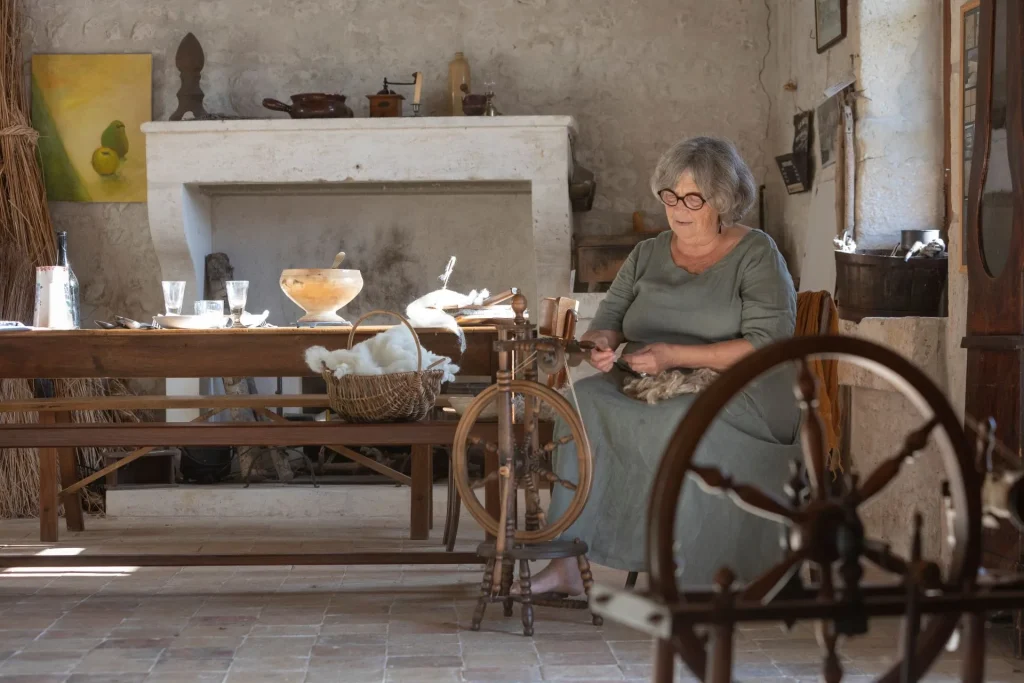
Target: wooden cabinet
{"type": "Point", "coordinates": [994, 250]}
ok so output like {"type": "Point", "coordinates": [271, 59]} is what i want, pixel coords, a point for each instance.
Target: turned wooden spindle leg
{"type": "Point", "coordinates": [664, 662]}
{"type": "Point", "coordinates": [485, 596]}
{"type": "Point", "coordinates": [507, 568]}
{"type": "Point", "coordinates": [526, 597]}
{"type": "Point", "coordinates": [588, 583]}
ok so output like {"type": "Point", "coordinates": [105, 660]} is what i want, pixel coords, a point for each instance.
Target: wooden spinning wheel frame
{"type": "Point", "coordinates": [823, 530]}
{"type": "Point", "coordinates": [531, 469]}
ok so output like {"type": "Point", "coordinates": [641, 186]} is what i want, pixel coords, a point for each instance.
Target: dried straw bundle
{"type": "Point", "coordinates": [27, 240]}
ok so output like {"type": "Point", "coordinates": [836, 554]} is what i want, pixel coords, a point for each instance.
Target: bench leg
{"type": "Point", "coordinates": [47, 487]}
{"type": "Point", "coordinates": [451, 521]}
{"type": "Point", "coordinates": [68, 461]}
{"type": "Point", "coordinates": [422, 493]}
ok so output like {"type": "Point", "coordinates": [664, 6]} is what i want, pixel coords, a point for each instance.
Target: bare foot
{"type": "Point", "coordinates": [560, 576]}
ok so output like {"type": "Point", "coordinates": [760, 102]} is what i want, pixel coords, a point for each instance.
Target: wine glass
{"type": "Point", "coordinates": [238, 292]}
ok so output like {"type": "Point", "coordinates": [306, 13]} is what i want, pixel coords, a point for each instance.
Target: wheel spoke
{"type": "Point", "coordinates": [552, 445]}
{"type": "Point", "coordinates": [812, 431]}
{"type": "Point", "coordinates": [888, 470]}
{"type": "Point", "coordinates": [552, 478]}
{"type": "Point", "coordinates": [480, 483]}
{"type": "Point", "coordinates": [746, 496]}
{"type": "Point", "coordinates": [765, 587]}
{"type": "Point", "coordinates": [881, 556]}
{"type": "Point", "coordinates": [489, 446]}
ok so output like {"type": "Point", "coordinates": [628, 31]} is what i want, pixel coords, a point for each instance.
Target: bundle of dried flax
{"type": "Point", "coordinates": [27, 240]}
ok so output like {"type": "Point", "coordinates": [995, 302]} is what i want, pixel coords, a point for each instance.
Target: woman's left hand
{"type": "Point", "coordinates": [651, 359]}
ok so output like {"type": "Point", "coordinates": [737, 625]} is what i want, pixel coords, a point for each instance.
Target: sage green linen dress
{"type": "Point", "coordinates": [748, 294]}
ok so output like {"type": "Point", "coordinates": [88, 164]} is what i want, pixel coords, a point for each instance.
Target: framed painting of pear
{"type": "Point", "coordinates": [88, 110]}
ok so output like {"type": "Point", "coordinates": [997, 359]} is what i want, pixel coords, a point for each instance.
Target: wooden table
{"type": "Point", "coordinates": [262, 352]}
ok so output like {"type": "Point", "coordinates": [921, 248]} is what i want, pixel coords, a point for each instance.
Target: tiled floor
{"type": "Point", "coordinates": [320, 624]}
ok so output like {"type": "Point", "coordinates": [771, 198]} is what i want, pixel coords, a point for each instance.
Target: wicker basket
{"type": "Point", "coordinates": [397, 397]}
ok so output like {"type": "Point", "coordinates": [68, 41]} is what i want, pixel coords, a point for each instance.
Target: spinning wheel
{"type": "Point", "coordinates": [523, 462]}
{"type": "Point", "coordinates": [823, 529]}
{"type": "Point", "coordinates": [532, 465]}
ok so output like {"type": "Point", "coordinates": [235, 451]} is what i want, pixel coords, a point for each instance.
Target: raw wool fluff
{"type": "Point", "coordinates": [391, 351]}
{"type": "Point", "coordinates": [426, 311]}
{"type": "Point", "coordinates": [669, 384]}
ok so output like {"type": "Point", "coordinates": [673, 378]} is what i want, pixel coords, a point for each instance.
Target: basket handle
{"type": "Point", "coordinates": [415, 337]}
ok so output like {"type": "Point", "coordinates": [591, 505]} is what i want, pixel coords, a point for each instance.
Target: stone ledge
{"type": "Point", "coordinates": [922, 341]}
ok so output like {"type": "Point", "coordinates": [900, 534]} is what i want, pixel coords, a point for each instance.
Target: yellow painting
{"type": "Point", "coordinates": [89, 110]}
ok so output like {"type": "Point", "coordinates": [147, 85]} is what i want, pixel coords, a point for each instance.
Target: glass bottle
{"type": "Point", "coordinates": [458, 73]}
{"type": "Point", "coordinates": [62, 260]}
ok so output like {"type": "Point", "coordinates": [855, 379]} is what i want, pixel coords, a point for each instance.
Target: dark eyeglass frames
{"type": "Point", "coordinates": [691, 200]}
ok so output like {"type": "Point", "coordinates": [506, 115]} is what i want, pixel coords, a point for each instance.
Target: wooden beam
{"type": "Point", "coordinates": [261, 352]}
{"type": "Point", "coordinates": [243, 434]}
{"type": "Point", "coordinates": [239, 560]}
{"type": "Point", "coordinates": [166, 403]}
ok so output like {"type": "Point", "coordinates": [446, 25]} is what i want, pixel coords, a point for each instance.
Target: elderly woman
{"type": "Point", "coordinates": [701, 295]}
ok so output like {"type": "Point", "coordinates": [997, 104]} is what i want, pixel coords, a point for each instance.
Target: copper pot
{"type": "Point", "coordinates": [312, 105]}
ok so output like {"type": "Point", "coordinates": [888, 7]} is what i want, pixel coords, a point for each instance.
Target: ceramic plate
{"type": "Point", "coordinates": [192, 322]}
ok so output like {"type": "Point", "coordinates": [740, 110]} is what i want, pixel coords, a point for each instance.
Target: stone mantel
{"type": "Point", "coordinates": [188, 162]}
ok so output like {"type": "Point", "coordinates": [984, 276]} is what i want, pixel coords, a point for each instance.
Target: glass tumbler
{"type": "Point", "coordinates": [238, 292]}
{"type": "Point", "coordinates": [174, 294]}
{"type": "Point", "coordinates": [210, 307]}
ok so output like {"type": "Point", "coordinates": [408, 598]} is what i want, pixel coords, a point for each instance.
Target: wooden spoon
{"type": "Point", "coordinates": [338, 259]}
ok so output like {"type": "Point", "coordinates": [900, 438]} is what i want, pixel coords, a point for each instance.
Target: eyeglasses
{"type": "Point", "coordinates": [691, 200]}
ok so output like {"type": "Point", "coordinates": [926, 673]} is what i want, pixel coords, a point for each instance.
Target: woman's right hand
{"type": "Point", "coordinates": [602, 357]}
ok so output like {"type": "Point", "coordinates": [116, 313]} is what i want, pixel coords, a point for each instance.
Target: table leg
{"type": "Point", "coordinates": [492, 494]}
{"type": "Point", "coordinates": [68, 461]}
{"type": "Point", "coordinates": [47, 487]}
{"type": "Point", "coordinates": [422, 488]}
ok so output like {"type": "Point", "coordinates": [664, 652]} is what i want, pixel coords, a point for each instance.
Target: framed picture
{"type": "Point", "coordinates": [829, 23]}
{"type": "Point", "coordinates": [88, 110]}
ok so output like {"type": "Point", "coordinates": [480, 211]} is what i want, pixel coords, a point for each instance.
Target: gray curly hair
{"type": "Point", "coordinates": [718, 170]}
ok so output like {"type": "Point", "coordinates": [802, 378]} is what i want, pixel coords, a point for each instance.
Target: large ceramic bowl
{"type": "Point", "coordinates": [320, 292]}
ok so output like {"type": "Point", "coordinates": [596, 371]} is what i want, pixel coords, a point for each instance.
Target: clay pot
{"type": "Point", "coordinates": [312, 105]}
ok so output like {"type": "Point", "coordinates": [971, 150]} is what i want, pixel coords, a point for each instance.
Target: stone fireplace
{"type": "Point", "coordinates": [209, 181]}
{"type": "Point", "coordinates": [398, 195]}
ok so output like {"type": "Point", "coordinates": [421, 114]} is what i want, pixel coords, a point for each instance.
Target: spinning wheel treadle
{"type": "Point", "coordinates": [822, 529]}
{"type": "Point", "coordinates": [524, 463]}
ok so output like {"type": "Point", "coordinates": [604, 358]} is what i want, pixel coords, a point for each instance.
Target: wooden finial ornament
{"type": "Point", "coordinates": [519, 307]}
{"type": "Point", "coordinates": [190, 60]}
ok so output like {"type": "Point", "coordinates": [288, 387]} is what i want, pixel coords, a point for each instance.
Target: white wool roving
{"type": "Point", "coordinates": [391, 351]}
{"type": "Point", "coordinates": [426, 311]}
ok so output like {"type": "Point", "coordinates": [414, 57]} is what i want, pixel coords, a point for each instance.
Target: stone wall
{"type": "Point", "coordinates": [894, 50]}
{"type": "Point", "coordinates": [636, 75]}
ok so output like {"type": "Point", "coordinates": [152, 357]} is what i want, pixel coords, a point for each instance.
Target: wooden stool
{"type": "Point", "coordinates": [549, 550]}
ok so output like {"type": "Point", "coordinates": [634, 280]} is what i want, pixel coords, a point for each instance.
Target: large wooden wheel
{"type": "Point", "coordinates": [824, 529]}
{"type": "Point", "coordinates": [532, 461]}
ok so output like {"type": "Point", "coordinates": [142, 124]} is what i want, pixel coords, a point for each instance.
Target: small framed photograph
{"type": "Point", "coordinates": [829, 22]}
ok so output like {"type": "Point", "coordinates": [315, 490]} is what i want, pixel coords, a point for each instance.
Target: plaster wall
{"type": "Point", "coordinates": [636, 75]}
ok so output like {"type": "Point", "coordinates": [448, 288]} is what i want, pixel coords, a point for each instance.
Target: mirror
{"type": "Point", "coordinates": [997, 194]}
